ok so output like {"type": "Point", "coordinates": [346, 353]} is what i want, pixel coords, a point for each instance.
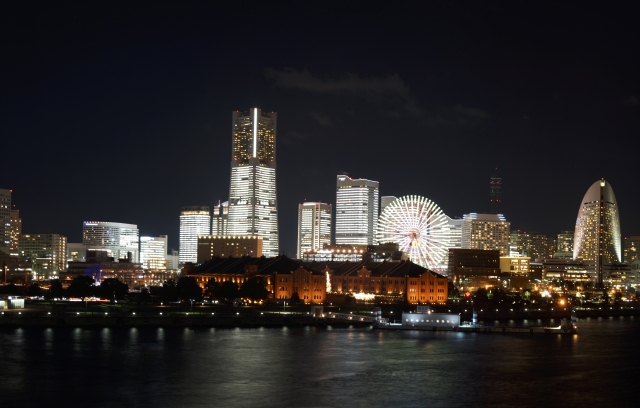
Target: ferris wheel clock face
{"type": "Point", "coordinates": [418, 226]}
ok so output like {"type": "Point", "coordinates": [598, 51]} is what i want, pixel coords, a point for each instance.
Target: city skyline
{"type": "Point", "coordinates": [480, 92]}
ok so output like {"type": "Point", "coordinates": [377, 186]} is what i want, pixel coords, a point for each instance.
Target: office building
{"type": "Point", "coordinates": [471, 269]}
{"type": "Point", "coordinates": [5, 221]}
{"type": "Point", "coordinates": [173, 260]}
{"type": "Point", "coordinates": [194, 221]}
{"type": "Point", "coordinates": [16, 230]}
{"type": "Point", "coordinates": [385, 201]}
{"type": "Point", "coordinates": [120, 240]}
{"type": "Point", "coordinates": [220, 218]}
{"type": "Point", "coordinates": [534, 245]}
{"type": "Point", "coordinates": [564, 245]}
{"type": "Point", "coordinates": [314, 226]}
{"type": "Point", "coordinates": [153, 252]}
{"type": "Point", "coordinates": [486, 232]}
{"type": "Point", "coordinates": [76, 252]}
{"type": "Point", "coordinates": [357, 203]}
{"type": "Point", "coordinates": [597, 234]}
{"type": "Point", "coordinates": [47, 253]}
{"type": "Point", "coordinates": [14, 269]}
{"type": "Point", "coordinates": [253, 204]}
{"type": "Point", "coordinates": [631, 248]}
{"type": "Point", "coordinates": [455, 232]}
{"type": "Point", "coordinates": [211, 246]}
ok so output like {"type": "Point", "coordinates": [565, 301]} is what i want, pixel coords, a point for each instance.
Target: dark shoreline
{"type": "Point", "coordinates": [21, 318]}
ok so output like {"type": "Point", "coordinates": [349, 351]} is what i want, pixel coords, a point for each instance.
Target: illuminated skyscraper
{"type": "Point", "coordinates": [153, 252]}
{"type": "Point", "coordinates": [116, 238]}
{"type": "Point", "coordinates": [253, 205]}
{"type": "Point", "coordinates": [5, 220]}
{"type": "Point", "coordinates": [16, 231]}
{"type": "Point", "coordinates": [314, 226]}
{"type": "Point", "coordinates": [194, 221]}
{"type": "Point", "coordinates": [486, 232]}
{"type": "Point", "coordinates": [597, 233]}
{"type": "Point", "coordinates": [357, 210]}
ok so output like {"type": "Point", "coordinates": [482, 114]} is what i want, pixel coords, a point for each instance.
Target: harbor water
{"type": "Point", "coordinates": [319, 367]}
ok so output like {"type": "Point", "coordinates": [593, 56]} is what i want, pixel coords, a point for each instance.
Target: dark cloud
{"type": "Point", "coordinates": [322, 118]}
{"type": "Point", "coordinates": [374, 89]}
{"type": "Point", "coordinates": [471, 112]}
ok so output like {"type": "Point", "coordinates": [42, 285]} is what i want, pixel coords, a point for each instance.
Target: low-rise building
{"type": "Point", "coordinates": [471, 269]}
{"type": "Point", "coordinates": [313, 281]}
{"type": "Point", "coordinates": [14, 269]}
{"type": "Point", "coordinates": [212, 246]}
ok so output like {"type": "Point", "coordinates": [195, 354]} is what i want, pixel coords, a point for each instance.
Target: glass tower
{"type": "Point", "coordinates": [116, 238]}
{"type": "Point", "coordinates": [597, 234]}
{"type": "Point", "coordinates": [194, 221]}
{"type": "Point", "coordinates": [357, 210]}
{"type": "Point", "coordinates": [153, 252]}
{"type": "Point", "coordinates": [253, 205]}
{"type": "Point", "coordinates": [314, 226]}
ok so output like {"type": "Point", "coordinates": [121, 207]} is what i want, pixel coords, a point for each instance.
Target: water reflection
{"type": "Point", "coordinates": [320, 367]}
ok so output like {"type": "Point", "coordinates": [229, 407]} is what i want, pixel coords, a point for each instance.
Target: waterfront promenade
{"type": "Point", "coordinates": [78, 314]}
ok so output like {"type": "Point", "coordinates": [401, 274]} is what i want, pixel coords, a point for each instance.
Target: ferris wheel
{"type": "Point", "coordinates": [418, 226]}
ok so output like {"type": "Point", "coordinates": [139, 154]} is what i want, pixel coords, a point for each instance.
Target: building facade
{"type": "Point", "coordinates": [224, 246]}
{"type": "Point", "coordinates": [47, 253]}
{"type": "Point", "coordinates": [564, 245]}
{"type": "Point", "coordinates": [357, 210]}
{"type": "Point", "coordinates": [486, 232]}
{"type": "Point", "coordinates": [220, 219]}
{"type": "Point", "coordinates": [253, 204]}
{"type": "Point", "coordinates": [534, 245]}
{"type": "Point", "coordinates": [631, 249]}
{"type": "Point", "coordinates": [153, 252]}
{"type": "Point", "coordinates": [597, 234]}
{"type": "Point", "coordinates": [474, 268]}
{"type": "Point", "coordinates": [118, 239]}
{"type": "Point", "coordinates": [5, 221]}
{"type": "Point", "coordinates": [314, 226]}
{"type": "Point", "coordinates": [16, 231]}
{"type": "Point", "coordinates": [194, 221]}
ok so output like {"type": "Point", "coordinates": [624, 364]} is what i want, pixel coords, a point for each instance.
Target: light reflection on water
{"type": "Point", "coordinates": [313, 366]}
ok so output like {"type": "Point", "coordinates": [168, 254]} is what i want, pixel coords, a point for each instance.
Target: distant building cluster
{"type": "Point", "coordinates": [402, 248]}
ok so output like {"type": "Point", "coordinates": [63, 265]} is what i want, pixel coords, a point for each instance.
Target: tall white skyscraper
{"type": "Point", "coordinates": [153, 252]}
{"type": "Point", "coordinates": [314, 226]}
{"type": "Point", "coordinates": [116, 238]}
{"type": "Point", "coordinates": [253, 205]}
{"type": "Point", "coordinates": [194, 221]}
{"type": "Point", "coordinates": [597, 234]}
{"type": "Point", "coordinates": [357, 210]}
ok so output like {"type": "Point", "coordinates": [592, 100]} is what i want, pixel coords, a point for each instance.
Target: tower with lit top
{"type": "Point", "coordinates": [597, 234]}
{"type": "Point", "coordinates": [253, 205]}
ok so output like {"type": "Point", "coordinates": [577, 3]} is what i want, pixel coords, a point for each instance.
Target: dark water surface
{"type": "Point", "coordinates": [320, 367]}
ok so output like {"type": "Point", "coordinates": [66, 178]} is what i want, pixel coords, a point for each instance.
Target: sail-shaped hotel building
{"type": "Point", "coordinates": [597, 234]}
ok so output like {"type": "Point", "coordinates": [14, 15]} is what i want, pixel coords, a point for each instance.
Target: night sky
{"type": "Point", "coordinates": [122, 114]}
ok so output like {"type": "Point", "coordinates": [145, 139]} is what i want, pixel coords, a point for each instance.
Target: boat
{"type": "Point", "coordinates": [427, 320]}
